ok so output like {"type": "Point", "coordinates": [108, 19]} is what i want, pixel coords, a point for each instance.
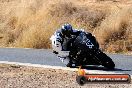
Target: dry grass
{"type": "Point", "coordinates": [116, 30]}
{"type": "Point", "coordinates": [30, 23]}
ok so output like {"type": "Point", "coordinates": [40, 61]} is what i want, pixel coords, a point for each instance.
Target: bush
{"type": "Point", "coordinates": [30, 24]}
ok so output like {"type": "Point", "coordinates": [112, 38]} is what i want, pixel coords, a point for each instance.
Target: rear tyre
{"type": "Point", "coordinates": [106, 61]}
{"type": "Point", "coordinates": [109, 64]}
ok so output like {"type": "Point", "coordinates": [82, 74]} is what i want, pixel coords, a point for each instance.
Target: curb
{"type": "Point", "coordinates": [58, 67]}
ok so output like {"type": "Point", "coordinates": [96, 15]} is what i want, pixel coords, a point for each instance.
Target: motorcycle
{"type": "Point", "coordinates": [84, 50]}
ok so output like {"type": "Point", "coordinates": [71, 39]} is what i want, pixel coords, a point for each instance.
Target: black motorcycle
{"type": "Point", "coordinates": [84, 50]}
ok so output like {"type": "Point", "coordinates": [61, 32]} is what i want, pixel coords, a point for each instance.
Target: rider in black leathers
{"type": "Point", "coordinates": [64, 36]}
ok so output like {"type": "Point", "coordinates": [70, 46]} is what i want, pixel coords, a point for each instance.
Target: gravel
{"type": "Point", "coordinates": [13, 76]}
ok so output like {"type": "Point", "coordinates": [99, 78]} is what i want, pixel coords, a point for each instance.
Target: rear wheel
{"type": "Point", "coordinates": [106, 61]}
{"type": "Point", "coordinates": [108, 64]}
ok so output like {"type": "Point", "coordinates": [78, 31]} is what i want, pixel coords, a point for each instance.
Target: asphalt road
{"type": "Point", "coordinates": [46, 57]}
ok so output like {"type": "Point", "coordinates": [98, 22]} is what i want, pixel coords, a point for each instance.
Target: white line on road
{"type": "Point", "coordinates": [59, 67]}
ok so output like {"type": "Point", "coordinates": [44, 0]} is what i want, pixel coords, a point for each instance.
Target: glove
{"type": "Point", "coordinates": [55, 52]}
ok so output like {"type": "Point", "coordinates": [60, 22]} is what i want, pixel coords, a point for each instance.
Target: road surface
{"type": "Point", "coordinates": [46, 57]}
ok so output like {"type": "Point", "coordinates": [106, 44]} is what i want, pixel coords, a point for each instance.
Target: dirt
{"type": "Point", "coordinates": [14, 76]}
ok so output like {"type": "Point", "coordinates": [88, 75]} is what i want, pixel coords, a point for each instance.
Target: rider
{"type": "Point", "coordinates": [60, 41]}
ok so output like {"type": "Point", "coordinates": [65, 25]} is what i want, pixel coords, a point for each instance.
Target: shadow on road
{"type": "Point", "coordinates": [103, 68]}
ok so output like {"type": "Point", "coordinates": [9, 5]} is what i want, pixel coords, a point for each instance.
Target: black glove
{"type": "Point", "coordinates": [55, 52]}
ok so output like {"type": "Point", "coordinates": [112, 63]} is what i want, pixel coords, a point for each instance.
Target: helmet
{"type": "Point", "coordinates": [66, 29]}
